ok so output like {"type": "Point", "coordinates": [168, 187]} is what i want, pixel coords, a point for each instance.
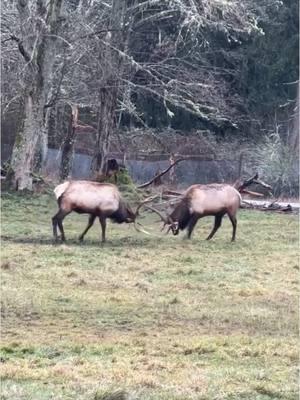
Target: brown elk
{"type": "Point", "coordinates": [102, 200]}
{"type": "Point", "coordinates": [200, 201]}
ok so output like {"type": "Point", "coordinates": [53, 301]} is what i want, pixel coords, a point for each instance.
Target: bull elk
{"type": "Point", "coordinates": [200, 201]}
{"type": "Point", "coordinates": [102, 200]}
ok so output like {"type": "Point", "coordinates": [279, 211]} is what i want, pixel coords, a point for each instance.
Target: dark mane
{"type": "Point", "coordinates": [181, 213]}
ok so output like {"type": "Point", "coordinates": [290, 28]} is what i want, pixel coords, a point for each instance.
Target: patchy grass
{"type": "Point", "coordinates": [147, 317]}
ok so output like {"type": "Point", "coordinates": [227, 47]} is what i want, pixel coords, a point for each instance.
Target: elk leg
{"type": "Point", "coordinates": [89, 225]}
{"type": "Point", "coordinates": [218, 222]}
{"type": "Point", "coordinates": [192, 223]}
{"type": "Point", "coordinates": [54, 226]}
{"type": "Point", "coordinates": [234, 224]}
{"type": "Point", "coordinates": [57, 221]}
{"type": "Point", "coordinates": [103, 227]}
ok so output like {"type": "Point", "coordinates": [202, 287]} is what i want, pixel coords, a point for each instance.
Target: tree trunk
{"type": "Point", "coordinates": [42, 147]}
{"type": "Point", "coordinates": [68, 127]}
{"type": "Point", "coordinates": [31, 143]}
{"type": "Point", "coordinates": [294, 133]}
{"type": "Point", "coordinates": [25, 145]}
{"type": "Point", "coordinates": [105, 126]}
{"type": "Point", "coordinates": [109, 91]}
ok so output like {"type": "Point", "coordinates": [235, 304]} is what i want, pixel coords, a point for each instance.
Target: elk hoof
{"type": "Point", "coordinates": [57, 240]}
{"type": "Point", "coordinates": [80, 239]}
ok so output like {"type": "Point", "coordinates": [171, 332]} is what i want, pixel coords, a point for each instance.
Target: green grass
{"type": "Point", "coordinates": [147, 317]}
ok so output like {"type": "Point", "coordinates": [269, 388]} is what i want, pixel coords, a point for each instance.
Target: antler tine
{"type": "Point", "coordinates": [163, 227]}
{"type": "Point", "coordinates": [141, 230]}
{"type": "Point", "coordinates": [143, 203]}
{"type": "Point", "coordinates": [147, 200]}
{"type": "Point", "coordinates": [164, 219]}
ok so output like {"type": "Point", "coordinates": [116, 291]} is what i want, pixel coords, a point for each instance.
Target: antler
{"type": "Point", "coordinates": [163, 218]}
{"type": "Point", "coordinates": [147, 200]}
{"type": "Point", "coordinates": [141, 230]}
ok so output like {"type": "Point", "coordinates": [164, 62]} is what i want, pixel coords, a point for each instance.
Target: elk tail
{"type": "Point", "coordinates": [60, 189]}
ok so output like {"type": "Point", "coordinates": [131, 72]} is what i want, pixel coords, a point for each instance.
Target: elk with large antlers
{"type": "Point", "coordinates": [102, 200]}
{"type": "Point", "coordinates": [199, 201]}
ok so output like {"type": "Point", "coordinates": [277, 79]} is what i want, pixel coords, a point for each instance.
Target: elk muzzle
{"type": "Point", "coordinates": [174, 226]}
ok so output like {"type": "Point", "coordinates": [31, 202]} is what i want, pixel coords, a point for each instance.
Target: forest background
{"type": "Point", "coordinates": [150, 78]}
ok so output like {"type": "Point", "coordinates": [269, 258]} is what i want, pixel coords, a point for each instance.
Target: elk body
{"type": "Point", "coordinates": [100, 200]}
{"type": "Point", "coordinates": [203, 200]}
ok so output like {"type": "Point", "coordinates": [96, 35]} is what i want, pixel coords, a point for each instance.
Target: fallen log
{"type": "Point", "coordinates": [253, 193]}
{"type": "Point", "coordinates": [241, 186]}
{"type": "Point", "coordinates": [273, 207]}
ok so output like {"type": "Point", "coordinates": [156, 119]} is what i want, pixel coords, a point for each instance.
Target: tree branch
{"type": "Point", "coordinates": [54, 97]}
{"type": "Point", "coordinates": [20, 47]}
{"type": "Point", "coordinates": [89, 35]}
{"type": "Point", "coordinates": [161, 174]}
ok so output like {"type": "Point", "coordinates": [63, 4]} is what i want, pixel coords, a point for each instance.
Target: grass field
{"type": "Point", "coordinates": [154, 317]}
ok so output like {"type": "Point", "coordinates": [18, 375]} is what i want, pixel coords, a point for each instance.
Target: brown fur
{"type": "Point", "coordinates": [204, 200]}
{"type": "Point", "coordinates": [102, 200]}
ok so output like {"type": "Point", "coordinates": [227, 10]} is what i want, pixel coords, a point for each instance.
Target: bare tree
{"type": "Point", "coordinates": [36, 38]}
{"type": "Point", "coordinates": [68, 123]}
{"type": "Point", "coordinates": [173, 70]}
{"type": "Point", "coordinates": [294, 134]}
{"type": "Point", "coordinates": [114, 55]}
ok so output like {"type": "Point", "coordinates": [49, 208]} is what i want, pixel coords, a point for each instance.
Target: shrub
{"type": "Point", "coordinates": [278, 164]}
